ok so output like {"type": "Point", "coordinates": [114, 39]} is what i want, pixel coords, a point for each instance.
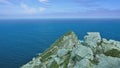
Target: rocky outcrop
{"type": "Point", "coordinates": [69, 52]}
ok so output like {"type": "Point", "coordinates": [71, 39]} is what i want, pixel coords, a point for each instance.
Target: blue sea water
{"type": "Point", "coordinates": [21, 40]}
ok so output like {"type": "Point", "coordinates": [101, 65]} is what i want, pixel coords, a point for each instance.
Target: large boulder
{"type": "Point", "coordinates": [83, 52]}
{"type": "Point", "coordinates": [92, 39]}
{"type": "Point", "coordinates": [108, 62]}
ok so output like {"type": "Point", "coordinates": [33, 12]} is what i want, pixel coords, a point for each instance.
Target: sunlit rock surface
{"type": "Point", "coordinates": [70, 52]}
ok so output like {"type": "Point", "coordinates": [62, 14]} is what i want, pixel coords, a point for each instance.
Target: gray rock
{"type": "Point", "coordinates": [69, 52]}
{"type": "Point", "coordinates": [92, 39]}
{"type": "Point", "coordinates": [108, 62]}
{"type": "Point", "coordinates": [62, 52]}
{"type": "Point", "coordinates": [84, 52]}
{"type": "Point", "coordinates": [84, 63]}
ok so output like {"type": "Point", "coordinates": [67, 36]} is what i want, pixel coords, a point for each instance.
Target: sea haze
{"type": "Point", "coordinates": [21, 40]}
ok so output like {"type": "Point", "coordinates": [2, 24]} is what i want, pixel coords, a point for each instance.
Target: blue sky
{"type": "Point", "coordinates": [59, 8]}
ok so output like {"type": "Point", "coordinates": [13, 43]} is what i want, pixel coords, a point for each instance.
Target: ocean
{"type": "Point", "coordinates": [23, 39]}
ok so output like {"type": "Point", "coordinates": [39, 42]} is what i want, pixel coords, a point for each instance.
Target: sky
{"type": "Point", "coordinates": [59, 9]}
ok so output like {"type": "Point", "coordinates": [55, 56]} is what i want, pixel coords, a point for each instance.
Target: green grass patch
{"type": "Point", "coordinates": [54, 65]}
{"type": "Point", "coordinates": [66, 61]}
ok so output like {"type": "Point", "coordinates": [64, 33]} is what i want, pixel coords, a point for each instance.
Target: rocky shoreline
{"type": "Point", "coordinates": [70, 52]}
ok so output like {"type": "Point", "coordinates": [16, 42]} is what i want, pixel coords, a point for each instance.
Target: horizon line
{"type": "Point", "coordinates": [60, 18]}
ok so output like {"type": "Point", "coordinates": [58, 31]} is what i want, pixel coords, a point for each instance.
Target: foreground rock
{"type": "Point", "coordinates": [69, 52]}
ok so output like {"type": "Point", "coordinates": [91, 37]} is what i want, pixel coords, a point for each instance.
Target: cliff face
{"type": "Point", "coordinates": [69, 52]}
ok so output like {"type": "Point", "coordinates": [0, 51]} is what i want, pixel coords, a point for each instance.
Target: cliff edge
{"type": "Point", "coordinates": [70, 52]}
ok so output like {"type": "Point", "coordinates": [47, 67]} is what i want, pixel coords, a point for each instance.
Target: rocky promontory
{"type": "Point", "coordinates": [70, 52]}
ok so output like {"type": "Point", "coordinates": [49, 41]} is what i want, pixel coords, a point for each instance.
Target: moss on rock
{"type": "Point", "coordinates": [113, 53]}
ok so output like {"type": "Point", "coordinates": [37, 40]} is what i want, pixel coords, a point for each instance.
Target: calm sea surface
{"type": "Point", "coordinates": [21, 40]}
